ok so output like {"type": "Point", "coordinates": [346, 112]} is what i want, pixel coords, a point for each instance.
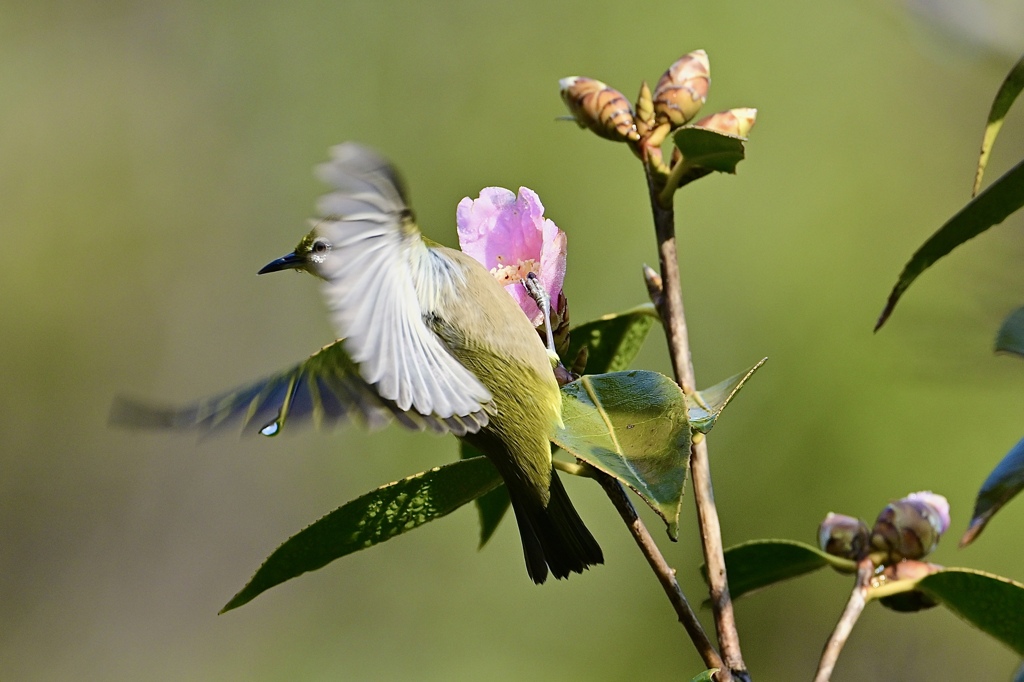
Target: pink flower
{"type": "Point", "coordinates": [511, 237]}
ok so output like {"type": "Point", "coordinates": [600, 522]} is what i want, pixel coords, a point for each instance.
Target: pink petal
{"type": "Point", "coordinates": [501, 230]}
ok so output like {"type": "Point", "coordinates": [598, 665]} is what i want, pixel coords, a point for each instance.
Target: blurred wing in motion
{"type": "Point", "coordinates": [383, 282]}
{"type": "Point", "coordinates": [325, 389]}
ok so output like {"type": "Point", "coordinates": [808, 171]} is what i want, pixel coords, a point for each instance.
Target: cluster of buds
{"type": "Point", "coordinates": [677, 98]}
{"type": "Point", "coordinates": [907, 529]}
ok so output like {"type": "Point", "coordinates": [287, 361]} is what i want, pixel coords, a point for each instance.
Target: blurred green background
{"type": "Point", "coordinates": [155, 155]}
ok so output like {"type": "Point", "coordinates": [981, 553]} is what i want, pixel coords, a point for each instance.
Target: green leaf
{"type": "Point", "coordinates": [991, 207]}
{"type": "Point", "coordinates": [705, 406]}
{"type": "Point", "coordinates": [710, 150]}
{"type": "Point", "coordinates": [706, 676]}
{"type": "Point", "coordinates": [491, 507]}
{"type": "Point", "coordinates": [759, 563]}
{"type": "Point", "coordinates": [1005, 481]}
{"type": "Point", "coordinates": [380, 515]}
{"type": "Point", "coordinates": [1005, 98]}
{"type": "Point", "coordinates": [633, 426]}
{"type": "Point", "coordinates": [993, 604]}
{"type": "Point", "coordinates": [705, 152]}
{"type": "Point", "coordinates": [1010, 338]}
{"type": "Point", "coordinates": [612, 341]}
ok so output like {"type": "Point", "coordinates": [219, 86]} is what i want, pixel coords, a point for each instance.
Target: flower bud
{"type": "Point", "coordinates": [910, 528]}
{"type": "Point", "coordinates": [604, 110]}
{"type": "Point", "coordinates": [683, 89]}
{"type": "Point", "coordinates": [735, 122]}
{"type": "Point", "coordinates": [843, 536]}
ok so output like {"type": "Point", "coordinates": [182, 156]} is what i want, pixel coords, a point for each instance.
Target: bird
{"type": "Point", "coordinates": [427, 337]}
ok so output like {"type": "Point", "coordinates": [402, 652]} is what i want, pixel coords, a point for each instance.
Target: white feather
{"type": "Point", "coordinates": [381, 278]}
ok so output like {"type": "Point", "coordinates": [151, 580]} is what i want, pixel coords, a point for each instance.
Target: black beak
{"type": "Point", "coordinates": [289, 262]}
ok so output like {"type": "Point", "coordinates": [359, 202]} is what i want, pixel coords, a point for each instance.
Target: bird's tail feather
{"type": "Point", "coordinates": [555, 536]}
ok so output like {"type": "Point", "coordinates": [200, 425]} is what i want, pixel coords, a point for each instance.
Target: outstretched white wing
{"type": "Point", "coordinates": [381, 280]}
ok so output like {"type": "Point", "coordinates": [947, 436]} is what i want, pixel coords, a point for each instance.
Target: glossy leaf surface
{"type": "Point", "coordinates": [991, 207]}
{"type": "Point", "coordinates": [1005, 481]}
{"type": "Point", "coordinates": [710, 150]}
{"type": "Point", "coordinates": [1005, 98]}
{"type": "Point", "coordinates": [760, 563]}
{"type": "Point", "coordinates": [633, 426]}
{"type": "Point", "coordinates": [706, 406]}
{"type": "Point", "coordinates": [378, 516]}
{"type": "Point", "coordinates": [993, 604]}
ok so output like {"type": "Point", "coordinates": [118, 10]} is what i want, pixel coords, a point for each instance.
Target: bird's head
{"type": "Point", "coordinates": [309, 256]}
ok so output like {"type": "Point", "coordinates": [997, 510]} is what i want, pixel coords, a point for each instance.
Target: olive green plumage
{"type": "Point", "coordinates": [426, 336]}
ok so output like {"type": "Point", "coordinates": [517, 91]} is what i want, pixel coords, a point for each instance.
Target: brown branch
{"type": "Point", "coordinates": [666, 574]}
{"type": "Point", "coordinates": [854, 607]}
{"type": "Point", "coordinates": [674, 319]}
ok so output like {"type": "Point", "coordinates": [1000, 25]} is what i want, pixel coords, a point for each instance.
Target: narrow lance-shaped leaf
{"type": "Point", "coordinates": [633, 426]}
{"type": "Point", "coordinates": [993, 604]}
{"type": "Point", "coordinates": [706, 406]}
{"type": "Point", "coordinates": [706, 676]}
{"type": "Point", "coordinates": [760, 563]}
{"type": "Point", "coordinates": [378, 516]}
{"type": "Point", "coordinates": [1005, 98]}
{"type": "Point", "coordinates": [1005, 481]}
{"type": "Point", "coordinates": [1010, 338]}
{"type": "Point", "coordinates": [991, 207]}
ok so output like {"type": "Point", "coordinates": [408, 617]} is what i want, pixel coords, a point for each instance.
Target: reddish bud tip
{"type": "Point", "coordinates": [735, 122]}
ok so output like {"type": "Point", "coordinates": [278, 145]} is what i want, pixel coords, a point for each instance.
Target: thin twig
{"type": "Point", "coordinates": [666, 574]}
{"type": "Point", "coordinates": [674, 319]}
{"type": "Point", "coordinates": [854, 607]}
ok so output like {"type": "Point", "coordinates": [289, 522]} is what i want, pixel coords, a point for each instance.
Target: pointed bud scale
{"type": "Point", "coordinates": [843, 536]}
{"type": "Point", "coordinates": [604, 110]}
{"type": "Point", "coordinates": [644, 109]}
{"type": "Point", "coordinates": [910, 528]}
{"type": "Point", "coordinates": [735, 122]}
{"type": "Point", "coordinates": [683, 89]}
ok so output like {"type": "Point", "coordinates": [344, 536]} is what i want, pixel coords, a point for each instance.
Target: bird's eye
{"type": "Point", "coordinates": [319, 250]}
